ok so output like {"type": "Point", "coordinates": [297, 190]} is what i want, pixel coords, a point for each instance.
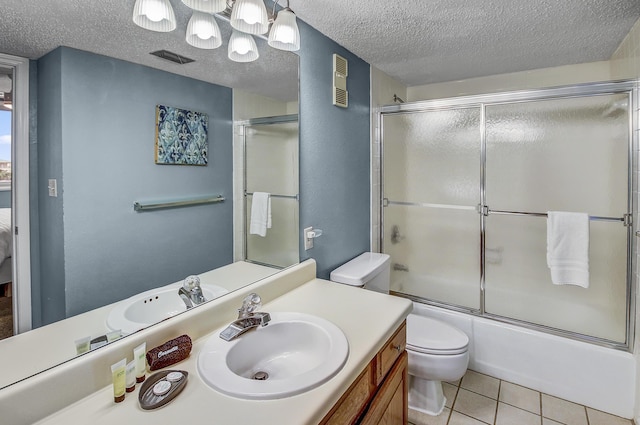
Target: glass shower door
{"type": "Point", "coordinates": [271, 165]}
{"type": "Point", "coordinates": [567, 154]}
{"type": "Point", "coordinates": [431, 229]}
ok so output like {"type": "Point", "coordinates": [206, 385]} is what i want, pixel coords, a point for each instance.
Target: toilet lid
{"type": "Point", "coordinates": [431, 336]}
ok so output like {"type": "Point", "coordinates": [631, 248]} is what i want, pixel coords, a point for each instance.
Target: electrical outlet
{"type": "Point", "coordinates": [53, 187]}
{"type": "Point", "coordinates": [308, 242]}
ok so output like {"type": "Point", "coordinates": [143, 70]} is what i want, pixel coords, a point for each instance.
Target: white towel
{"type": "Point", "coordinates": [568, 248]}
{"type": "Point", "coordinates": [260, 214]}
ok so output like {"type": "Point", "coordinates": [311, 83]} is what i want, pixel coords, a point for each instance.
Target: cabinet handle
{"type": "Point", "coordinates": [398, 347]}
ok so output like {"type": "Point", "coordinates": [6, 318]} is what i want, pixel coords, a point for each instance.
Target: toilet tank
{"type": "Point", "coordinates": [371, 270]}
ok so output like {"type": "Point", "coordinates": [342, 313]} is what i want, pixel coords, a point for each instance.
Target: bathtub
{"type": "Point", "coordinates": [598, 377]}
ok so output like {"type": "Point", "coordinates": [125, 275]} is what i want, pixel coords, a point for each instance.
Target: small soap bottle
{"type": "Point", "coordinates": [131, 376]}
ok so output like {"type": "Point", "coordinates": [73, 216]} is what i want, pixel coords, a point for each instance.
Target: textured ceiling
{"type": "Point", "coordinates": [428, 41]}
{"type": "Point", "coordinates": [415, 41]}
{"type": "Point", "coordinates": [32, 28]}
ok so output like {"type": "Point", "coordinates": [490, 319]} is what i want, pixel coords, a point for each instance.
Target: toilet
{"type": "Point", "coordinates": [437, 351]}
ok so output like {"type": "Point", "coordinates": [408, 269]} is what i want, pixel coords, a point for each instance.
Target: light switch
{"type": "Point", "coordinates": [53, 187]}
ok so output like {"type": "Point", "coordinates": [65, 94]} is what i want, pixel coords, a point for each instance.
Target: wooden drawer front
{"type": "Point", "coordinates": [390, 407]}
{"type": "Point", "coordinates": [349, 408]}
{"type": "Point", "coordinates": [390, 352]}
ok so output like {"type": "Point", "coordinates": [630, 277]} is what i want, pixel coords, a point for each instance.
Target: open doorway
{"type": "Point", "coordinates": [14, 77]}
{"type": "Point", "coordinates": [6, 243]}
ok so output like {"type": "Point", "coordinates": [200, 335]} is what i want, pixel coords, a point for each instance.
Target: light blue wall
{"type": "Point", "coordinates": [51, 242]}
{"type": "Point", "coordinates": [104, 160]}
{"type": "Point", "coordinates": [334, 154]}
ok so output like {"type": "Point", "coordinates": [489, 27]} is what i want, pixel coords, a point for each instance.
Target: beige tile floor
{"type": "Point", "coordinates": [479, 399]}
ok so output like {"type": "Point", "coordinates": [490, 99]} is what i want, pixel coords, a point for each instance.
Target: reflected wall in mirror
{"type": "Point", "coordinates": [92, 129]}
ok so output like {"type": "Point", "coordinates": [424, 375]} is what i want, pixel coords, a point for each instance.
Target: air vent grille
{"type": "Point", "coordinates": [173, 57]}
{"type": "Point", "coordinates": [341, 65]}
{"type": "Point", "coordinates": [340, 72]}
{"type": "Point", "coordinates": [341, 98]}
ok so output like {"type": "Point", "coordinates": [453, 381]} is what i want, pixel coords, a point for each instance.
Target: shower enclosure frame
{"type": "Point", "coordinates": [242, 129]}
{"type": "Point", "coordinates": [631, 88]}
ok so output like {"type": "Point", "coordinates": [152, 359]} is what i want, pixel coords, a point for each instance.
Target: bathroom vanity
{"type": "Point", "coordinates": [379, 394]}
{"type": "Point", "coordinates": [370, 388]}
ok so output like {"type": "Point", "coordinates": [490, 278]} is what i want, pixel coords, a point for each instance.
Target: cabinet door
{"type": "Point", "coordinates": [390, 404]}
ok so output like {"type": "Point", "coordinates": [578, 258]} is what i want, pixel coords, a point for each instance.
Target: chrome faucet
{"type": "Point", "coordinates": [248, 318]}
{"type": "Point", "coordinates": [190, 292]}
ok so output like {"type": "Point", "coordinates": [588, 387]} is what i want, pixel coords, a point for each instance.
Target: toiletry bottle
{"type": "Point", "coordinates": [131, 376]}
{"type": "Point", "coordinates": [139, 356]}
{"type": "Point", "coordinates": [118, 374]}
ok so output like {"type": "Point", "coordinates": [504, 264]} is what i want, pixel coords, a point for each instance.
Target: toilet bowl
{"type": "Point", "coordinates": [437, 351]}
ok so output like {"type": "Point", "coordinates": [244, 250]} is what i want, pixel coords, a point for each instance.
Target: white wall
{"type": "Point", "coordinates": [534, 79]}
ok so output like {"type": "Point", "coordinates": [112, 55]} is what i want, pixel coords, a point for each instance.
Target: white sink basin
{"type": "Point", "coordinates": [153, 306]}
{"type": "Point", "coordinates": [297, 351]}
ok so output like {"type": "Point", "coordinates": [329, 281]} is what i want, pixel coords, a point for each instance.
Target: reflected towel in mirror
{"type": "Point", "coordinates": [260, 214]}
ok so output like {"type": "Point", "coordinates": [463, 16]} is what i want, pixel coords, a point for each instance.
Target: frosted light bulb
{"type": "Point", "coordinates": [154, 11]}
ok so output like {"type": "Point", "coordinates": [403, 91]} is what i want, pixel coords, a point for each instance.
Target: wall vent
{"type": "Point", "coordinates": [340, 72]}
{"type": "Point", "coordinates": [173, 57]}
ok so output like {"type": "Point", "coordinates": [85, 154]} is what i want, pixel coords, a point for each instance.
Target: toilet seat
{"type": "Point", "coordinates": [430, 336]}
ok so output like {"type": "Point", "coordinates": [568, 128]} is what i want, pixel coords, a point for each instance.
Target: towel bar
{"type": "Point", "coordinates": [139, 206]}
{"type": "Point", "coordinates": [275, 196]}
{"type": "Point", "coordinates": [625, 219]}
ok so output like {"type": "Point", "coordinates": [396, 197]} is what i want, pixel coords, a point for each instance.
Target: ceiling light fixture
{"type": "Point", "coordinates": [207, 6]}
{"type": "Point", "coordinates": [247, 17]}
{"type": "Point", "coordinates": [154, 15]}
{"type": "Point", "coordinates": [285, 34]}
{"type": "Point", "coordinates": [203, 31]}
{"type": "Point", "coordinates": [242, 47]}
{"type": "Point", "coordinates": [250, 16]}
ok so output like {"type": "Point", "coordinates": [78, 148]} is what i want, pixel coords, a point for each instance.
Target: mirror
{"type": "Point", "coordinates": [95, 103]}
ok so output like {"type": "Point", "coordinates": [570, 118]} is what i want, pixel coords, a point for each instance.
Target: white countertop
{"type": "Point", "coordinates": [367, 318]}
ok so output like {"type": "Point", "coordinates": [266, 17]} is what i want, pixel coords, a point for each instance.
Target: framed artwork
{"type": "Point", "coordinates": [181, 136]}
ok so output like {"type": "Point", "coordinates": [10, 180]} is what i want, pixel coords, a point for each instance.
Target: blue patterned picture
{"type": "Point", "coordinates": [181, 136]}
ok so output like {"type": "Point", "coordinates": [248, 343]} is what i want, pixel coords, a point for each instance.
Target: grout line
{"type": "Point", "coordinates": [519, 408]}
{"type": "Point", "coordinates": [586, 414]}
{"type": "Point", "coordinates": [495, 417]}
{"type": "Point", "coordinates": [540, 401]}
{"type": "Point", "coordinates": [475, 419]}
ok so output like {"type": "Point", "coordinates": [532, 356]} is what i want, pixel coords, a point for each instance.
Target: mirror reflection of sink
{"type": "Point", "coordinates": [153, 306]}
{"type": "Point", "coordinates": [294, 353]}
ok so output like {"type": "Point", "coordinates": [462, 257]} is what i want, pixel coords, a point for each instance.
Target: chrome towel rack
{"type": "Point", "coordinates": [275, 196]}
{"type": "Point", "coordinates": [148, 206]}
{"type": "Point", "coordinates": [625, 219]}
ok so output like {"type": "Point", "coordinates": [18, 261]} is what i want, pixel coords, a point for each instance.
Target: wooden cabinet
{"type": "Point", "coordinates": [379, 394]}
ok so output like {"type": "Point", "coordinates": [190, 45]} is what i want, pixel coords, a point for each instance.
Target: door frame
{"type": "Point", "coordinates": [20, 205]}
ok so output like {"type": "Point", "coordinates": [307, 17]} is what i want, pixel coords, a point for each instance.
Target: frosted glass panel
{"type": "Point", "coordinates": [432, 157]}
{"type": "Point", "coordinates": [272, 158]}
{"type": "Point", "coordinates": [271, 155]}
{"type": "Point", "coordinates": [280, 245]}
{"type": "Point", "coordinates": [518, 282]}
{"type": "Point", "coordinates": [559, 155]}
{"type": "Point", "coordinates": [435, 254]}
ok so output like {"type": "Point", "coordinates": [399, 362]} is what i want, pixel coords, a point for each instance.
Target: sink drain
{"type": "Point", "coordinates": [260, 376]}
